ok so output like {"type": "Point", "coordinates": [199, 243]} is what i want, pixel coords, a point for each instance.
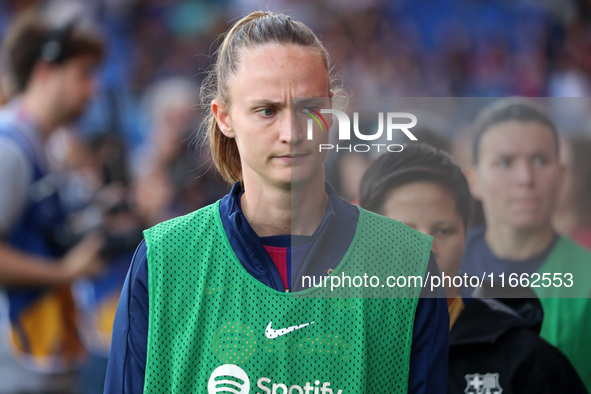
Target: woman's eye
{"type": "Point", "coordinates": [504, 162]}
{"type": "Point", "coordinates": [444, 231]}
{"type": "Point", "coordinates": [266, 112]}
{"type": "Point", "coordinates": [539, 161]}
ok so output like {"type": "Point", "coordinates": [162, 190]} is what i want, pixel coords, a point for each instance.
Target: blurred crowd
{"type": "Point", "coordinates": [453, 48]}
{"type": "Point", "coordinates": [158, 51]}
{"type": "Point", "coordinates": [134, 159]}
{"type": "Point", "coordinates": [381, 48]}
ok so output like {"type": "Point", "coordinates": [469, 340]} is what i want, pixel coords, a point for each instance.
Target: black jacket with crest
{"type": "Point", "coordinates": [494, 346]}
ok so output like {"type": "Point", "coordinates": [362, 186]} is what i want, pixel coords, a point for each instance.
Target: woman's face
{"type": "Point", "coordinates": [431, 209]}
{"type": "Point", "coordinates": [518, 175]}
{"type": "Point", "coordinates": [273, 145]}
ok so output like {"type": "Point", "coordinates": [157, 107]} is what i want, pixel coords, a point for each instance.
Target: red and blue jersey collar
{"type": "Point", "coordinates": [312, 256]}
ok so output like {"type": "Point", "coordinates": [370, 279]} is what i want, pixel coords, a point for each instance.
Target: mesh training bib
{"type": "Point", "coordinates": [567, 310]}
{"type": "Point", "coordinates": [213, 328]}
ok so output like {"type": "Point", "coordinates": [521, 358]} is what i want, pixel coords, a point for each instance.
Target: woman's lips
{"type": "Point", "coordinates": [292, 158]}
{"type": "Point", "coordinates": [526, 202]}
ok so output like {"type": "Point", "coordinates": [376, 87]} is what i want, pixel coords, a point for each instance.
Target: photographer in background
{"type": "Point", "coordinates": [50, 70]}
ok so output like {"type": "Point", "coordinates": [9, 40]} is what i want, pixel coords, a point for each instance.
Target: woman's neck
{"type": "Point", "coordinates": [509, 243]}
{"type": "Point", "coordinates": [277, 211]}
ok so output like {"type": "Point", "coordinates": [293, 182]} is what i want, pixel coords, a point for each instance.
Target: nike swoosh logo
{"type": "Point", "coordinates": [272, 334]}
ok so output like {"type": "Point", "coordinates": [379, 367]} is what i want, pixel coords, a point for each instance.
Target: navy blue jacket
{"type": "Point", "coordinates": [127, 360]}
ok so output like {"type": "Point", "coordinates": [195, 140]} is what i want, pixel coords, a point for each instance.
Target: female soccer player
{"type": "Point", "coordinates": [516, 173]}
{"type": "Point", "coordinates": [206, 304]}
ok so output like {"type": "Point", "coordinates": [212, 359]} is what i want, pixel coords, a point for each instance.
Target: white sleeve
{"type": "Point", "coordinates": [16, 174]}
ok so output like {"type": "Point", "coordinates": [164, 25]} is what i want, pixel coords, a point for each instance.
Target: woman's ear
{"type": "Point", "coordinates": [222, 117]}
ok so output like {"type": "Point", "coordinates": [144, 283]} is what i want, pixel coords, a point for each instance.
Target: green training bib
{"type": "Point", "coordinates": [213, 328]}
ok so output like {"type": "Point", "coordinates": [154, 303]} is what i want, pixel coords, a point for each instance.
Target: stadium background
{"type": "Point", "coordinates": [136, 144]}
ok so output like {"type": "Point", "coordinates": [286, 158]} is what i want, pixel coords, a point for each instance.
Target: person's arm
{"type": "Point", "coordinates": [127, 359]}
{"type": "Point", "coordinates": [18, 268]}
{"type": "Point", "coordinates": [429, 353]}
